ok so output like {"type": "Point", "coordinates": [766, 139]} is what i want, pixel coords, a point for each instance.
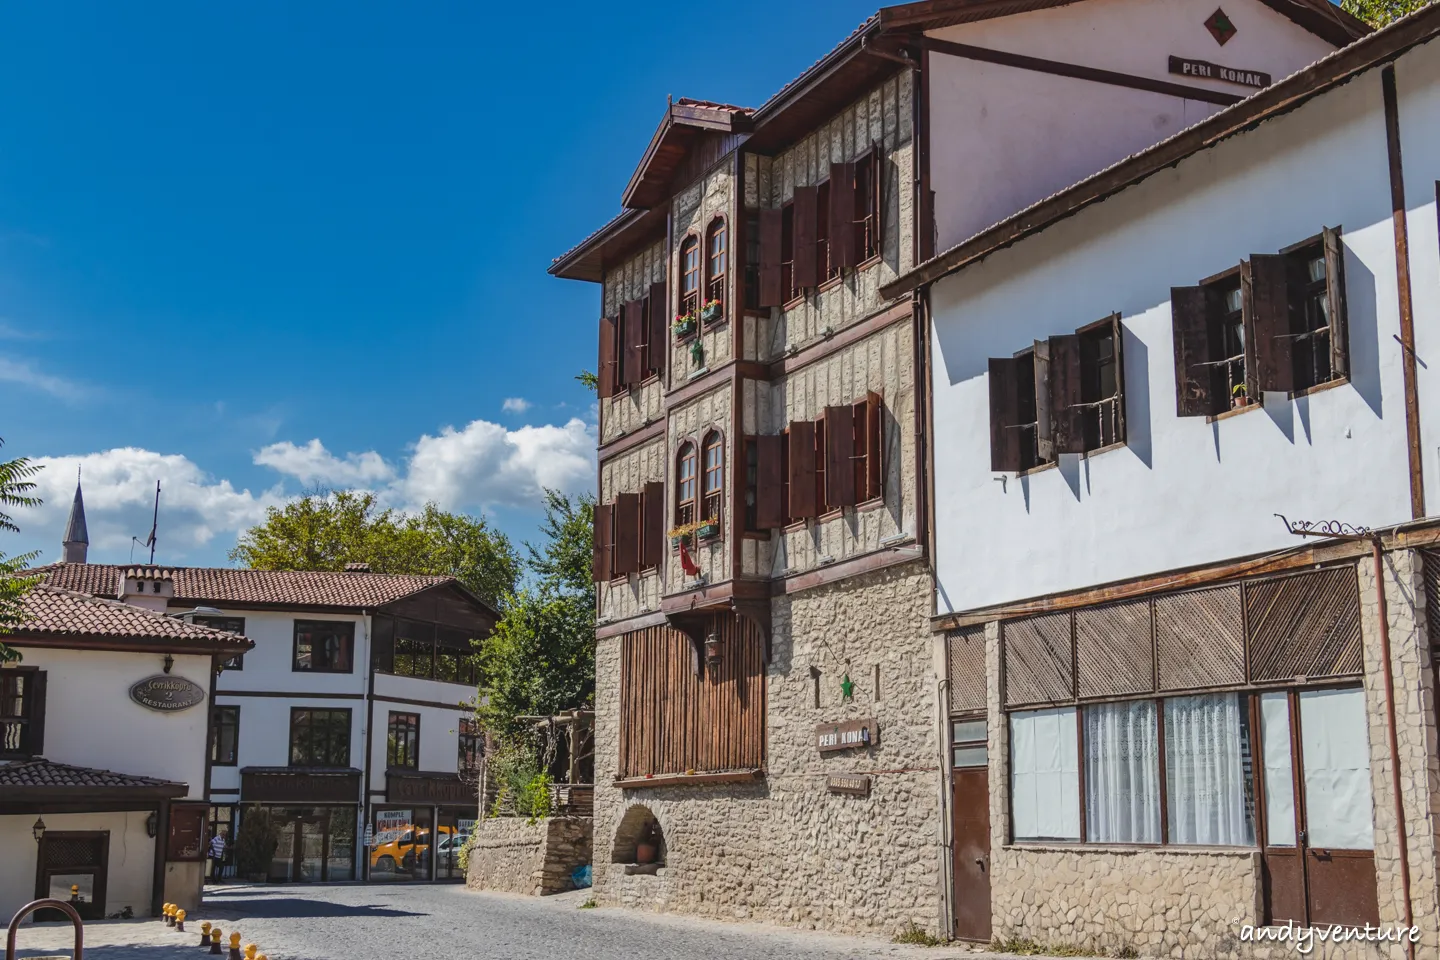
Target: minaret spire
{"type": "Point", "coordinates": [77, 539]}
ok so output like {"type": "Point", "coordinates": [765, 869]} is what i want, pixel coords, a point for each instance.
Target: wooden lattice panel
{"type": "Point", "coordinates": [1038, 660]}
{"type": "Point", "coordinates": [1200, 638]}
{"type": "Point", "coordinates": [965, 653]}
{"type": "Point", "coordinates": [1432, 596]}
{"type": "Point", "coordinates": [1113, 652]}
{"type": "Point", "coordinates": [1304, 625]}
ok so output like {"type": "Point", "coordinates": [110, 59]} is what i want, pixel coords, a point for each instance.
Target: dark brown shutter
{"type": "Point", "coordinates": [35, 738]}
{"type": "Point", "coordinates": [658, 318]}
{"type": "Point", "coordinates": [1270, 322]}
{"type": "Point", "coordinates": [626, 558]}
{"type": "Point", "coordinates": [860, 455]}
{"type": "Point", "coordinates": [632, 369]}
{"type": "Point", "coordinates": [1119, 339]}
{"type": "Point", "coordinates": [875, 446]}
{"type": "Point", "coordinates": [1044, 435]}
{"type": "Point", "coordinates": [1066, 417]}
{"type": "Point", "coordinates": [1004, 413]}
{"type": "Point", "coordinates": [802, 470]}
{"type": "Point", "coordinates": [652, 524]}
{"type": "Point", "coordinates": [1335, 294]}
{"type": "Point", "coordinates": [769, 482]}
{"type": "Point", "coordinates": [601, 563]}
{"type": "Point", "coordinates": [1190, 309]}
{"type": "Point", "coordinates": [607, 372]}
{"type": "Point", "coordinates": [839, 457]}
{"type": "Point", "coordinates": [803, 267]}
{"type": "Point", "coordinates": [772, 235]}
{"type": "Point", "coordinates": [842, 214]}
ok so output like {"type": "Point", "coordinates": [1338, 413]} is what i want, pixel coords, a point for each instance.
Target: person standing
{"type": "Point", "coordinates": [217, 854]}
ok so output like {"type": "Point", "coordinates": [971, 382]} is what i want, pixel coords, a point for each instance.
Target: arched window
{"type": "Point", "coordinates": [714, 475]}
{"type": "Point", "coordinates": [685, 485]}
{"type": "Point", "coordinates": [690, 276]}
{"type": "Point", "coordinates": [716, 257]}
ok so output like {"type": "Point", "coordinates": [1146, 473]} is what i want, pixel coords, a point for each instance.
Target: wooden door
{"type": "Point", "coordinates": [72, 866]}
{"type": "Point", "coordinates": [970, 816]}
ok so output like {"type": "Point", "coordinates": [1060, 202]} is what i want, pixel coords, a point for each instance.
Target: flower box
{"type": "Point", "coordinates": [712, 312]}
{"type": "Point", "coordinates": [683, 326]}
{"type": "Point", "coordinates": [708, 530]}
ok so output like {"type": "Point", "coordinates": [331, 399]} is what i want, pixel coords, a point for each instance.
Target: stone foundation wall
{"type": "Point", "coordinates": [782, 849]}
{"type": "Point", "coordinates": [513, 855]}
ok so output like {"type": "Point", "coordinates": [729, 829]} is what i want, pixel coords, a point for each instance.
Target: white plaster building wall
{"type": "Point", "coordinates": [1183, 491]}
{"type": "Point", "coordinates": [265, 732]}
{"type": "Point", "coordinates": [1023, 135]}
{"type": "Point", "coordinates": [90, 720]}
{"type": "Point", "coordinates": [269, 665]}
{"type": "Point", "coordinates": [131, 865]}
{"type": "Point", "coordinates": [1417, 83]}
{"type": "Point", "coordinates": [439, 726]}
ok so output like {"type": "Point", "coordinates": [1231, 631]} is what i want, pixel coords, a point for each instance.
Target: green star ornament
{"type": "Point", "coordinates": [847, 688]}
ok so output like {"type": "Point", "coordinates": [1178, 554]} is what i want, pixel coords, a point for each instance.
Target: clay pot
{"type": "Point", "coordinates": [645, 853]}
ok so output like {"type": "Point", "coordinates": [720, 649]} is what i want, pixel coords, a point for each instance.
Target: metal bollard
{"type": "Point", "coordinates": [205, 934]}
{"type": "Point", "coordinates": [215, 935]}
{"type": "Point", "coordinates": [180, 920]}
{"type": "Point", "coordinates": [235, 946]}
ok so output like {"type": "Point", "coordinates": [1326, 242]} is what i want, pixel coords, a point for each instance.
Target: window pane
{"type": "Point", "coordinates": [1279, 783]}
{"type": "Point", "coordinates": [1334, 740]}
{"type": "Point", "coordinates": [969, 756]}
{"type": "Point", "coordinates": [963, 730]}
{"type": "Point", "coordinates": [1122, 773]}
{"type": "Point", "coordinates": [1044, 775]}
{"type": "Point", "coordinates": [1207, 770]}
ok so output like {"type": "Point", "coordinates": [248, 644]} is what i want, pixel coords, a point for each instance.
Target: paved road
{"type": "Point", "coordinates": [448, 922]}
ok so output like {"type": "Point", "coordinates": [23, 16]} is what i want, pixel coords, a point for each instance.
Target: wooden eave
{"type": "Point", "coordinates": [612, 243]}
{"type": "Point", "coordinates": [87, 641]}
{"type": "Point", "coordinates": [682, 125]}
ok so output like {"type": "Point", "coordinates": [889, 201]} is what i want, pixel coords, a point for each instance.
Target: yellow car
{"type": "Point", "coordinates": [402, 852]}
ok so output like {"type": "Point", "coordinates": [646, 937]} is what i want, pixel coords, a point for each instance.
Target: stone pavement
{"type": "Point", "coordinates": [448, 922]}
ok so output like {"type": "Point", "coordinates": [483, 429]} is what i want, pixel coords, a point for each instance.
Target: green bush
{"type": "Point", "coordinates": [522, 784]}
{"type": "Point", "coordinates": [255, 843]}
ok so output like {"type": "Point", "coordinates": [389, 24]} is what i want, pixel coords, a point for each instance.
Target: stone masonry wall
{"type": "Point", "coordinates": [1193, 901]}
{"type": "Point", "coordinates": [783, 850]}
{"type": "Point", "coordinates": [513, 855]}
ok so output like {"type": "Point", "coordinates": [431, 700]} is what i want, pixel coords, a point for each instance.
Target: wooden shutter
{"type": "Point", "coordinates": [839, 457]}
{"type": "Point", "coordinates": [659, 317]}
{"type": "Point", "coordinates": [626, 556]}
{"type": "Point", "coordinates": [1119, 341]}
{"type": "Point", "coordinates": [772, 235]}
{"type": "Point", "coordinates": [802, 470]}
{"type": "Point", "coordinates": [632, 368]}
{"type": "Point", "coordinates": [652, 524]}
{"type": "Point", "coordinates": [1190, 310]}
{"type": "Point", "coordinates": [35, 736]}
{"type": "Point", "coordinates": [1067, 423]}
{"type": "Point", "coordinates": [1004, 413]}
{"type": "Point", "coordinates": [805, 214]}
{"type": "Point", "coordinates": [874, 446]}
{"type": "Point", "coordinates": [842, 214]}
{"type": "Point", "coordinates": [1335, 293]}
{"type": "Point", "coordinates": [769, 482]}
{"type": "Point", "coordinates": [601, 564]}
{"type": "Point", "coordinates": [607, 371]}
{"type": "Point", "coordinates": [1269, 322]}
{"type": "Point", "coordinates": [860, 455]}
{"type": "Point", "coordinates": [1044, 437]}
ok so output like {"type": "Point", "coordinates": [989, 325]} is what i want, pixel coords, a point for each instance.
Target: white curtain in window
{"type": "Point", "coordinates": [1044, 775]}
{"type": "Point", "coordinates": [1335, 745]}
{"type": "Point", "coordinates": [1122, 773]}
{"type": "Point", "coordinates": [1205, 770]}
{"type": "Point", "coordinates": [1279, 772]}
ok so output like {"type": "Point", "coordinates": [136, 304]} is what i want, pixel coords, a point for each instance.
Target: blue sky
{"type": "Point", "coordinates": [248, 249]}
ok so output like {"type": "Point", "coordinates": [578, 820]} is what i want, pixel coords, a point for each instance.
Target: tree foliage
{"type": "Point", "coordinates": [325, 531]}
{"type": "Point", "coordinates": [541, 658]}
{"type": "Point", "coordinates": [1378, 13]}
{"type": "Point", "coordinates": [16, 490]}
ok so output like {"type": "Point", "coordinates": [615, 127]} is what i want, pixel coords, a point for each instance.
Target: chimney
{"type": "Point", "coordinates": [151, 588]}
{"type": "Point", "coordinates": [76, 544]}
{"type": "Point", "coordinates": [357, 568]}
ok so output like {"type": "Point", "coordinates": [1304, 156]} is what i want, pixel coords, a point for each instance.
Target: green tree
{"type": "Point", "coordinates": [16, 490]}
{"type": "Point", "coordinates": [1378, 13]}
{"type": "Point", "coordinates": [325, 531]}
{"type": "Point", "coordinates": [541, 658]}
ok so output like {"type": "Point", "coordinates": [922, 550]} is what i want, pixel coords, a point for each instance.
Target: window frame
{"type": "Point", "coordinates": [236, 662]}
{"type": "Point", "coordinates": [348, 645]}
{"type": "Point", "coordinates": [790, 294]}
{"type": "Point", "coordinates": [30, 719]}
{"type": "Point", "coordinates": [218, 725]}
{"type": "Point", "coordinates": [869, 218]}
{"type": "Point", "coordinates": [715, 281]}
{"type": "Point", "coordinates": [690, 296]}
{"type": "Point", "coordinates": [470, 746]}
{"type": "Point", "coordinates": [406, 755]}
{"type": "Point", "coordinates": [332, 715]}
{"type": "Point", "coordinates": [712, 495]}
{"type": "Point", "coordinates": [687, 508]}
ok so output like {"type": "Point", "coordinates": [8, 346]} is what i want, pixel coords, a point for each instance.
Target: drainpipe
{"type": "Point", "coordinates": [947, 817]}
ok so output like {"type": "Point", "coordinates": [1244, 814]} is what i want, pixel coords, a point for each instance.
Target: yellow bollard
{"type": "Point", "coordinates": [180, 920]}
{"type": "Point", "coordinates": [250, 951]}
{"type": "Point", "coordinates": [235, 946]}
{"type": "Point", "coordinates": [216, 935]}
{"type": "Point", "coordinates": [205, 934]}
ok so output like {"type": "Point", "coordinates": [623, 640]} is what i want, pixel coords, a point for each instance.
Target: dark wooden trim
{"type": "Point", "coordinates": [712, 379]}
{"type": "Point", "coordinates": [853, 567]}
{"type": "Point", "coordinates": [210, 726]}
{"type": "Point", "coordinates": [298, 695]}
{"type": "Point", "coordinates": [378, 698]}
{"type": "Point", "coordinates": [621, 627]}
{"type": "Point", "coordinates": [225, 792]}
{"type": "Point", "coordinates": [1402, 278]}
{"type": "Point", "coordinates": [1079, 766]}
{"type": "Point", "coordinates": [162, 835]}
{"type": "Point", "coordinates": [1076, 71]}
{"type": "Point", "coordinates": [849, 336]}
{"type": "Point", "coordinates": [690, 779]}
{"type": "Point", "coordinates": [752, 370]}
{"type": "Point", "coordinates": [186, 648]}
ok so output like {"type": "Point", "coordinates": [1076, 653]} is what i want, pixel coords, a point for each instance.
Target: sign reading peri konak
{"type": "Point", "coordinates": [1213, 71]}
{"type": "Point", "coordinates": [849, 735]}
{"type": "Point", "coordinates": [167, 694]}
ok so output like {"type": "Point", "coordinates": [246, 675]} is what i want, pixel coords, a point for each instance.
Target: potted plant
{"type": "Point", "coordinates": [1238, 397]}
{"type": "Point", "coordinates": [255, 844]}
{"type": "Point", "coordinates": [709, 529]}
{"type": "Point", "coordinates": [682, 534]}
{"type": "Point", "coordinates": [710, 312]}
{"type": "Point", "coordinates": [683, 326]}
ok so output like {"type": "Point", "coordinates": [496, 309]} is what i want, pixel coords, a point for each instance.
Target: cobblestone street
{"type": "Point", "coordinates": [443, 922]}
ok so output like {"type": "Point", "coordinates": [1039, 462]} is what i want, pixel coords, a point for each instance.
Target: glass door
{"type": "Point", "coordinates": [282, 862]}
{"type": "Point", "coordinates": [310, 851]}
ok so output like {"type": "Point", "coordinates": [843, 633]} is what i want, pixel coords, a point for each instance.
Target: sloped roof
{"type": "Point", "coordinates": [52, 612]}
{"type": "Point", "coordinates": [41, 775]}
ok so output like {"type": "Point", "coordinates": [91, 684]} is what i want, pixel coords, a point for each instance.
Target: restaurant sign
{"type": "Point", "coordinates": [850, 735]}
{"type": "Point", "coordinates": [167, 694]}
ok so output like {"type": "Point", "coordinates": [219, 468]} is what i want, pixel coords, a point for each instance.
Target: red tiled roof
{"type": "Point", "coordinates": [691, 102]}
{"type": "Point", "coordinates": [45, 774]}
{"type": "Point", "coordinates": [52, 612]}
{"type": "Point", "coordinates": [296, 587]}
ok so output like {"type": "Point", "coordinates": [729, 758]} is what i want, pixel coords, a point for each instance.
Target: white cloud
{"type": "Point", "coordinates": [312, 464]}
{"type": "Point", "coordinates": [484, 464]}
{"type": "Point", "coordinates": [18, 371]}
{"type": "Point", "coordinates": [515, 405]}
{"type": "Point", "coordinates": [195, 507]}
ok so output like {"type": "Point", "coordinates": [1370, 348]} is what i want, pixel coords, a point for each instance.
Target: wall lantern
{"type": "Point", "coordinates": [712, 649]}
{"type": "Point", "coordinates": [169, 662]}
{"type": "Point", "coordinates": [38, 831]}
{"type": "Point", "coordinates": [152, 824]}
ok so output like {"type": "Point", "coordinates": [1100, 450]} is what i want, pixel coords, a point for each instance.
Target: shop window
{"type": "Point", "coordinates": [235, 625]}
{"type": "Point", "coordinates": [472, 746]}
{"type": "Point", "coordinates": [324, 646]}
{"type": "Point", "coordinates": [225, 736]}
{"type": "Point", "coordinates": [1044, 775]}
{"type": "Point", "coordinates": [1209, 770]}
{"type": "Point", "coordinates": [402, 741]}
{"type": "Point", "coordinates": [1122, 773]}
{"type": "Point", "coordinates": [319, 738]}
{"type": "Point", "coordinates": [22, 713]}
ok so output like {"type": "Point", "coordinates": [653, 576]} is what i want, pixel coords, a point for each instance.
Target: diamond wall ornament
{"type": "Point", "coordinates": [1220, 27]}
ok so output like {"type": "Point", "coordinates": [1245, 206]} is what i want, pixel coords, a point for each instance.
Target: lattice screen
{"type": "Point", "coordinates": [1113, 652]}
{"type": "Point", "coordinates": [1038, 660]}
{"type": "Point", "coordinates": [1200, 638]}
{"type": "Point", "coordinates": [965, 652]}
{"type": "Point", "coordinates": [1432, 596]}
{"type": "Point", "coordinates": [1304, 625]}
{"type": "Point", "coordinates": [68, 852]}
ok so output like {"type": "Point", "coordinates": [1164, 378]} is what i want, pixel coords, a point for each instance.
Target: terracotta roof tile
{"type": "Point", "coordinates": [47, 774]}
{"type": "Point", "coordinates": [53, 612]}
